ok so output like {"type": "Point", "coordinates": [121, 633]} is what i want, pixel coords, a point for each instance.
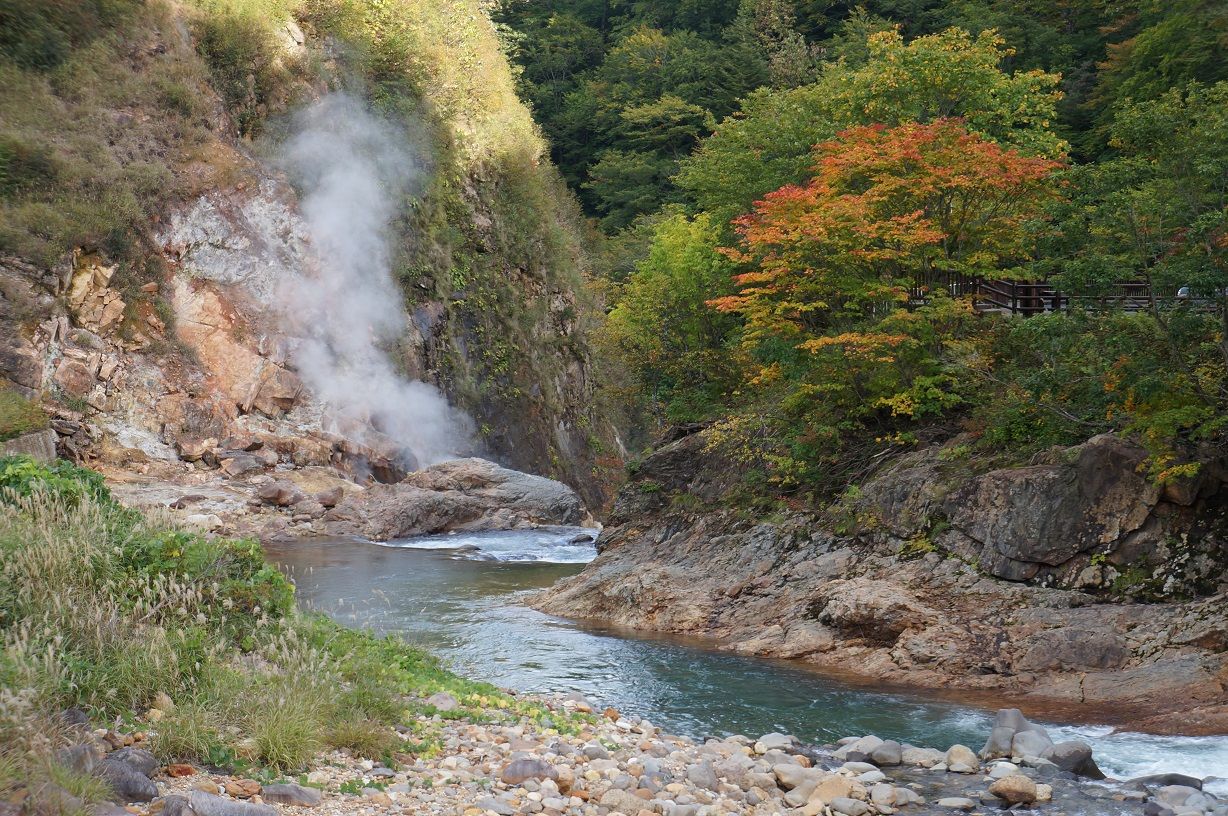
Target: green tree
{"type": "Point", "coordinates": [676, 348]}
{"type": "Point", "coordinates": [1158, 213]}
{"type": "Point", "coordinates": [941, 75]}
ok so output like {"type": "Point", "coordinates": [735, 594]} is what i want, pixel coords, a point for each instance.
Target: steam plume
{"type": "Point", "coordinates": [353, 171]}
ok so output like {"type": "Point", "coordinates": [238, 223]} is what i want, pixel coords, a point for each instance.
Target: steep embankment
{"type": "Point", "coordinates": [150, 234]}
{"type": "Point", "coordinates": [1034, 582]}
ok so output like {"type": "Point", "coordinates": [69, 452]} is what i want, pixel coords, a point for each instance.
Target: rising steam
{"type": "Point", "coordinates": [354, 171]}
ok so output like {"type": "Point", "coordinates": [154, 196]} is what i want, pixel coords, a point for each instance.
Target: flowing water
{"type": "Point", "coordinates": [461, 597]}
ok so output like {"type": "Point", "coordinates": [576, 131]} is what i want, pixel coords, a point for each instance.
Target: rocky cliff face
{"type": "Point", "coordinates": [174, 364]}
{"type": "Point", "coordinates": [1032, 582]}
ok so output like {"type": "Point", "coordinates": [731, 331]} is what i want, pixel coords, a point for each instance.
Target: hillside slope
{"type": "Point", "coordinates": [151, 230]}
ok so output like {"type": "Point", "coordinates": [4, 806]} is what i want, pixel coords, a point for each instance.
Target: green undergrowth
{"type": "Point", "coordinates": [111, 612]}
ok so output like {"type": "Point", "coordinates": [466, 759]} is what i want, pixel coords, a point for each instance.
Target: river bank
{"type": "Point", "coordinates": [580, 761]}
{"type": "Point", "coordinates": [893, 588]}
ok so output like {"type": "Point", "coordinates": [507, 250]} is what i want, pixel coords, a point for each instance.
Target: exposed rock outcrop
{"type": "Point", "coordinates": [975, 583]}
{"type": "Point", "coordinates": [465, 494]}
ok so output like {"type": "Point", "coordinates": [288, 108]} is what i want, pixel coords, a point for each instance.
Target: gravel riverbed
{"type": "Point", "coordinates": [604, 763]}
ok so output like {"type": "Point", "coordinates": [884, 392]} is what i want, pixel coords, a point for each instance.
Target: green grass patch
{"type": "Point", "coordinates": [18, 415]}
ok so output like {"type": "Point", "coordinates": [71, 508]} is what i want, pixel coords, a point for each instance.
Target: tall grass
{"type": "Point", "coordinates": [106, 610]}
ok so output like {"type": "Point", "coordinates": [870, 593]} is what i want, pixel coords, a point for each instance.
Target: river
{"type": "Point", "coordinates": [460, 596]}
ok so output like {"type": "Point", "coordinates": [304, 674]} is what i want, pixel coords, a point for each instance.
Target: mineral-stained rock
{"type": "Point", "coordinates": [74, 378]}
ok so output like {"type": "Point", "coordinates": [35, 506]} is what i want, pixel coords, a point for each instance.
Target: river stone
{"type": "Point", "coordinates": [616, 799]}
{"type": "Point", "coordinates": [801, 795]}
{"type": "Point", "coordinates": [1076, 757]}
{"type": "Point", "coordinates": [1016, 789]}
{"type": "Point", "coordinates": [1160, 780]}
{"type": "Point", "coordinates": [520, 770]}
{"type": "Point", "coordinates": [859, 767]}
{"type": "Point", "coordinates": [1031, 743]}
{"type": "Point", "coordinates": [1175, 795]}
{"type": "Point", "coordinates": [956, 802]}
{"type": "Point", "coordinates": [1001, 769]}
{"type": "Point", "coordinates": [702, 774]}
{"type": "Point", "coordinates": [849, 807]}
{"type": "Point", "coordinates": [871, 777]}
{"type": "Point", "coordinates": [883, 794]}
{"type": "Point", "coordinates": [442, 701]}
{"type": "Point", "coordinates": [889, 753]}
{"type": "Point", "coordinates": [780, 742]}
{"type": "Point", "coordinates": [206, 804]}
{"type": "Point", "coordinates": [790, 775]}
{"type": "Point", "coordinates": [595, 751]}
{"type": "Point", "coordinates": [999, 742]}
{"type": "Point", "coordinates": [833, 786]}
{"type": "Point", "coordinates": [961, 755]}
{"type": "Point", "coordinates": [922, 757]}
{"type": "Point", "coordinates": [291, 794]}
{"type": "Point", "coordinates": [127, 783]}
{"type": "Point", "coordinates": [858, 751]}
{"type": "Point", "coordinates": [496, 806]}
{"type": "Point", "coordinates": [144, 762]}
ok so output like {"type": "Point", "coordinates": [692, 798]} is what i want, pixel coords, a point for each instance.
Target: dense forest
{"type": "Point", "coordinates": [808, 207]}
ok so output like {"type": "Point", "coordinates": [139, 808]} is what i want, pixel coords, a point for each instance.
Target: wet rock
{"type": "Point", "coordinates": [292, 794]}
{"type": "Point", "coordinates": [1031, 744]}
{"type": "Point", "coordinates": [956, 803]}
{"type": "Point", "coordinates": [463, 494]}
{"type": "Point", "coordinates": [890, 753]}
{"type": "Point", "coordinates": [1015, 789]}
{"type": "Point", "coordinates": [1160, 780]}
{"type": "Point", "coordinates": [1076, 757]}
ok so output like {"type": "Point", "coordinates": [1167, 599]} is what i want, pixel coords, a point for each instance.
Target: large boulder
{"type": "Point", "coordinates": [463, 494]}
{"type": "Point", "coordinates": [1047, 514]}
{"type": "Point", "coordinates": [873, 610]}
{"type": "Point", "coordinates": [39, 446]}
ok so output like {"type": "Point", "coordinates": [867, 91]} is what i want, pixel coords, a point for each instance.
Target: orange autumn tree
{"type": "Point", "coordinates": [886, 207]}
{"type": "Point", "coordinates": [829, 265]}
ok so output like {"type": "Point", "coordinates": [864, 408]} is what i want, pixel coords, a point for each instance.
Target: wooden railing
{"type": "Point", "coordinates": [1031, 297]}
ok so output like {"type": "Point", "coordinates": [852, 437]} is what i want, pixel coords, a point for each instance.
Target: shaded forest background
{"type": "Point", "coordinates": [776, 180]}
